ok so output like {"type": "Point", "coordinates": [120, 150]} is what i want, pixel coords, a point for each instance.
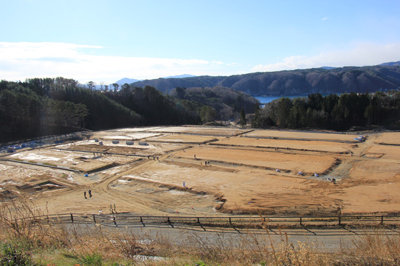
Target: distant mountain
{"type": "Point", "coordinates": [130, 81]}
{"type": "Point", "coordinates": [126, 80]}
{"type": "Point", "coordinates": [294, 82]}
{"type": "Point", "coordinates": [180, 76]}
{"type": "Point", "coordinates": [391, 64]}
{"type": "Point", "coordinates": [327, 67]}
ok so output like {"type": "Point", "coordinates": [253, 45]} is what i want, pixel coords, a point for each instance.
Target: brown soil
{"type": "Point", "coordinates": [240, 175]}
{"type": "Point", "coordinates": [280, 134]}
{"type": "Point", "coordinates": [323, 146]}
{"type": "Point", "coordinates": [389, 138]}
{"type": "Point", "coordinates": [182, 138]}
{"type": "Point", "coordinates": [216, 131]}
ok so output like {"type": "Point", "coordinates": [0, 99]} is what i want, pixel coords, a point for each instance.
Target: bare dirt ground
{"type": "Point", "coordinates": [209, 172]}
{"type": "Point", "coordinates": [389, 138]}
{"type": "Point", "coordinates": [287, 162]}
{"type": "Point", "coordinates": [199, 130]}
{"type": "Point", "coordinates": [386, 152]}
{"type": "Point", "coordinates": [280, 134]}
{"type": "Point", "coordinates": [181, 138]}
{"type": "Point", "coordinates": [322, 146]}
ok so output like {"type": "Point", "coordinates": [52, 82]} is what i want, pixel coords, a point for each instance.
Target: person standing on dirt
{"type": "Point", "coordinates": [84, 194]}
{"type": "Point", "coordinates": [90, 193]}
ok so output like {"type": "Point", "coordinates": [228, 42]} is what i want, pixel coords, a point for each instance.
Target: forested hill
{"type": "Point", "coordinates": [294, 82]}
{"type": "Point", "coordinates": [167, 84]}
{"type": "Point", "coordinates": [50, 106]}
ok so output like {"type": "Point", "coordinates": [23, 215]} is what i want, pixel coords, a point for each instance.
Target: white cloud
{"type": "Point", "coordinates": [361, 54]}
{"type": "Point", "coordinates": [19, 61]}
{"type": "Point", "coordinates": [325, 18]}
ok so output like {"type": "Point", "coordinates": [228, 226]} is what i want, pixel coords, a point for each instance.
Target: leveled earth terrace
{"type": "Point", "coordinates": [208, 171]}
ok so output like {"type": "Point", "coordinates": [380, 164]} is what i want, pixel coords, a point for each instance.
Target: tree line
{"type": "Point", "coordinates": [47, 106]}
{"type": "Point", "coordinates": [25, 114]}
{"type": "Point", "coordinates": [217, 103]}
{"type": "Point", "coordinates": [332, 112]}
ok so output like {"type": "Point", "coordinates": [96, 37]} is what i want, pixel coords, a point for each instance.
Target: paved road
{"type": "Point", "coordinates": [328, 240]}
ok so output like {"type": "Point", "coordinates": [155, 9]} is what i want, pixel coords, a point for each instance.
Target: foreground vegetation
{"type": "Point", "coordinates": [24, 242]}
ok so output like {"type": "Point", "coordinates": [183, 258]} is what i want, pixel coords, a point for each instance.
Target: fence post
{"type": "Point", "coordinates": [94, 218]}
{"type": "Point", "coordinates": [198, 220]}
{"type": "Point", "coordinates": [230, 220]}
{"type": "Point", "coordinates": [72, 218]}
{"type": "Point", "coordinates": [169, 222]}
{"type": "Point", "coordinates": [301, 223]}
{"type": "Point", "coordinates": [340, 220]}
{"type": "Point", "coordinates": [115, 222]}
{"type": "Point", "coordinates": [141, 220]}
{"type": "Point", "coordinates": [382, 220]}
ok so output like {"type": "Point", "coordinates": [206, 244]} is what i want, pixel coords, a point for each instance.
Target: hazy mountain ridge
{"type": "Point", "coordinates": [391, 64]}
{"type": "Point", "coordinates": [126, 80]}
{"type": "Point", "coordinates": [294, 82]}
{"type": "Point", "coordinates": [180, 76]}
{"type": "Point", "coordinates": [130, 81]}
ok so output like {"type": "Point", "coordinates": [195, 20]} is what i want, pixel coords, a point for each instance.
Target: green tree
{"type": "Point", "coordinates": [116, 86]}
{"type": "Point", "coordinates": [91, 85]}
{"type": "Point", "coordinates": [207, 114]}
{"type": "Point", "coordinates": [180, 92]}
{"type": "Point", "coordinates": [297, 114]}
{"type": "Point", "coordinates": [242, 118]}
{"type": "Point", "coordinates": [125, 89]}
{"type": "Point", "coordinates": [255, 122]}
{"type": "Point", "coordinates": [284, 106]}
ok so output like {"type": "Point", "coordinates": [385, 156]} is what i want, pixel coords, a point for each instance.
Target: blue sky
{"type": "Point", "coordinates": [106, 40]}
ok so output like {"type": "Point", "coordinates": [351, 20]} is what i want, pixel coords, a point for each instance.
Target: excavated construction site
{"type": "Point", "coordinates": [207, 171]}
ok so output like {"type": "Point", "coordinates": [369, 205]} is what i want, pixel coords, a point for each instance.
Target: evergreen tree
{"type": "Point", "coordinates": [255, 122]}
{"type": "Point", "coordinates": [242, 118]}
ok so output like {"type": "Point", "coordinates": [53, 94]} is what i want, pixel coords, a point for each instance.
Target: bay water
{"type": "Point", "coordinates": [267, 99]}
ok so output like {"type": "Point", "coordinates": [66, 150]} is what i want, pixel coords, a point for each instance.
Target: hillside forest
{"type": "Point", "coordinates": [47, 106]}
{"type": "Point", "coordinates": [332, 112]}
{"type": "Point", "coordinates": [295, 82]}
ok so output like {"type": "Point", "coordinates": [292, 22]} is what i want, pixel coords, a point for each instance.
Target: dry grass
{"type": "Point", "coordinates": [373, 249]}
{"type": "Point", "coordinates": [23, 222]}
{"type": "Point", "coordinates": [24, 228]}
{"type": "Point", "coordinates": [252, 250]}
